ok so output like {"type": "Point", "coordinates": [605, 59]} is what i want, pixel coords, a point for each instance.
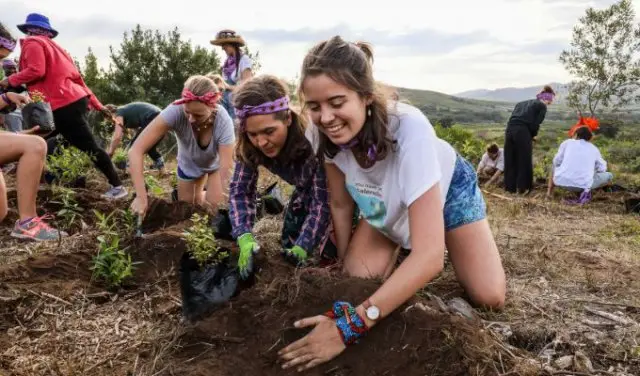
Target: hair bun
{"type": "Point", "coordinates": [367, 48]}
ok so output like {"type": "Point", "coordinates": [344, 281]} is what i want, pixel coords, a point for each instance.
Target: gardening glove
{"type": "Point", "coordinates": [295, 255]}
{"type": "Point", "coordinates": [248, 248]}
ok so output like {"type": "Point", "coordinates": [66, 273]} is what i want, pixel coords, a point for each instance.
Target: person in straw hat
{"type": "Point", "coordinates": [237, 66]}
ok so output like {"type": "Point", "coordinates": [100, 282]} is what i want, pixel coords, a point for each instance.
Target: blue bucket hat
{"type": "Point", "coordinates": [35, 20]}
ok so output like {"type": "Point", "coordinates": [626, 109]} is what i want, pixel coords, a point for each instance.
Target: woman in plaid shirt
{"type": "Point", "coordinates": [272, 135]}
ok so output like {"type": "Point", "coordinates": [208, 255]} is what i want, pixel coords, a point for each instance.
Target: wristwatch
{"type": "Point", "coordinates": [372, 312]}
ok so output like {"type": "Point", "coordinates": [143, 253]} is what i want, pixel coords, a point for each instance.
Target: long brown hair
{"type": "Point", "coordinates": [267, 88]}
{"type": "Point", "coordinates": [5, 33]}
{"type": "Point", "coordinates": [351, 65]}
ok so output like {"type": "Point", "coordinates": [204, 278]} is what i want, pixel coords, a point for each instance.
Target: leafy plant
{"type": "Point", "coordinates": [153, 186]}
{"type": "Point", "coordinates": [37, 97]}
{"type": "Point", "coordinates": [71, 210]}
{"type": "Point", "coordinates": [463, 140]}
{"type": "Point", "coordinates": [68, 164]}
{"type": "Point", "coordinates": [112, 264]}
{"type": "Point", "coordinates": [119, 156]}
{"type": "Point", "coordinates": [202, 243]}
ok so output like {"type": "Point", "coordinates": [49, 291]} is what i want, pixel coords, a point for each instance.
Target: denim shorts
{"type": "Point", "coordinates": [184, 177]}
{"type": "Point", "coordinates": [465, 203]}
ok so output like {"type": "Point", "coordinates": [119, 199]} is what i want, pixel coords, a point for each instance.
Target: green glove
{"type": "Point", "coordinates": [296, 255]}
{"type": "Point", "coordinates": [248, 247]}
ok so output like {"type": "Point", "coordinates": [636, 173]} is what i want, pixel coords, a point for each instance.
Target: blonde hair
{"type": "Point", "coordinates": [200, 85]}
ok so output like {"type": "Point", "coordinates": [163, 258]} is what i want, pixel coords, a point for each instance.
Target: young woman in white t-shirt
{"type": "Point", "coordinates": [412, 190]}
{"type": "Point", "coordinates": [205, 138]}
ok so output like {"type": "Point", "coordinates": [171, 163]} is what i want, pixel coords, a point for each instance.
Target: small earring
{"type": "Point", "coordinates": [368, 111]}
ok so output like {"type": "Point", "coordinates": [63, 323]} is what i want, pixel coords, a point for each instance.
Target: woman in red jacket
{"type": "Point", "coordinates": [30, 152]}
{"type": "Point", "coordinates": [47, 68]}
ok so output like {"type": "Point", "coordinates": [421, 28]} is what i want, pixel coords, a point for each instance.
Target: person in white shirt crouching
{"type": "Point", "coordinates": [491, 165]}
{"type": "Point", "coordinates": [579, 167]}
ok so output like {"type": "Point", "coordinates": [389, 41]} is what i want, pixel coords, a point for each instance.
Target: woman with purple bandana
{"type": "Point", "coordinates": [237, 67]}
{"type": "Point", "coordinates": [273, 136]}
{"type": "Point", "coordinates": [521, 131]}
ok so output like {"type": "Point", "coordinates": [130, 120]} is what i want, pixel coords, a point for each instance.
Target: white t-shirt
{"type": "Point", "coordinates": [498, 163]}
{"type": "Point", "coordinates": [576, 163]}
{"type": "Point", "coordinates": [384, 192]}
{"type": "Point", "coordinates": [245, 63]}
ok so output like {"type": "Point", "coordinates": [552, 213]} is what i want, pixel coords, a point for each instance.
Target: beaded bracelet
{"type": "Point", "coordinates": [350, 325]}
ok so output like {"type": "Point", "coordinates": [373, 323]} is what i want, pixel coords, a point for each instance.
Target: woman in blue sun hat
{"type": "Point", "coordinates": [49, 69]}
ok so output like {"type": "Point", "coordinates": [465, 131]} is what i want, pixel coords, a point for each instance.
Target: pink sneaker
{"type": "Point", "coordinates": [36, 229]}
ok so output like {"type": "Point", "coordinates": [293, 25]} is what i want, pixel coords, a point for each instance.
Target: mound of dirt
{"type": "Point", "coordinates": [245, 336]}
{"type": "Point", "coordinates": [162, 213]}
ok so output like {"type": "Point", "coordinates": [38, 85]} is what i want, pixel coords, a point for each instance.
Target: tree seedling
{"type": "Point", "coordinates": [202, 243]}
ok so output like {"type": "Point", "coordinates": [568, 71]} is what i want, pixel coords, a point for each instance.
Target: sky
{"type": "Point", "coordinates": [447, 46]}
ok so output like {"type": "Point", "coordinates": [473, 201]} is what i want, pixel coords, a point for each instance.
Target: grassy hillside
{"type": "Point", "coordinates": [462, 110]}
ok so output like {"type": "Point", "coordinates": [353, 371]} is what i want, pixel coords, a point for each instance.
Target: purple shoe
{"type": "Point", "coordinates": [584, 198]}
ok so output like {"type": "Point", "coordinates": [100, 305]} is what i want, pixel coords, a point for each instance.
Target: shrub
{"type": "Point", "coordinates": [463, 140]}
{"type": "Point", "coordinates": [68, 164]}
{"type": "Point", "coordinates": [202, 243]}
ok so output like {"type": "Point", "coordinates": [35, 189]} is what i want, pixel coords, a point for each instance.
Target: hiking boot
{"type": "Point", "coordinates": [36, 229]}
{"type": "Point", "coordinates": [115, 193]}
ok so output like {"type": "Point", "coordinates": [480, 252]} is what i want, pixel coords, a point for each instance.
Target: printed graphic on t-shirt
{"type": "Point", "coordinates": [368, 197]}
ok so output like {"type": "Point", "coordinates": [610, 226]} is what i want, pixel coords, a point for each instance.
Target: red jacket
{"type": "Point", "coordinates": [47, 68]}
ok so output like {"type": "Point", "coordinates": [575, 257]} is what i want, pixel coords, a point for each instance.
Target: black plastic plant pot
{"type": "Point", "coordinates": [205, 289]}
{"type": "Point", "coordinates": [38, 114]}
{"type": "Point", "coordinates": [221, 224]}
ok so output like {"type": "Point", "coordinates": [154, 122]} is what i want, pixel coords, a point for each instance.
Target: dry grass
{"type": "Point", "coordinates": [565, 266]}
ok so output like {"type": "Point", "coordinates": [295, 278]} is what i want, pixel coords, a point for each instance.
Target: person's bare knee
{"type": "Point", "coordinates": [4, 208]}
{"type": "Point", "coordinates": [38, 145]}
{"type": "Point", "coordinates": [369, 253]}
{"type": "Point", "coordinates": [477, 263]}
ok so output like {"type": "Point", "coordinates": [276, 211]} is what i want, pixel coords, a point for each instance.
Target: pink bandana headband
{"type": "Point", "coordinates": [7, 43]}
{"type": "Point", "coordinates": [277, 105]}
{"type": "Point", "coordinates": [210, 98]}
{"type": "Point", "coordinates": [545, 97]}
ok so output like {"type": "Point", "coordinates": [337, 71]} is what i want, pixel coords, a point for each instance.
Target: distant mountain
{"type": "Point", "coordinates": [469, 111]}
{"type": "Point", "coordinates": [513, 94]}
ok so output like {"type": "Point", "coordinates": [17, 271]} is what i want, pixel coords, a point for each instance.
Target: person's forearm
{"type": "Point", "coordinates": [115, 142]}
{"type": "Point", "coordinates": [342, 217]}
{"type": "Point", "coordinates": [225, 176]}
{"type": "Point", "coordinates": [413, 274]}
{"type": "Point", "coordinates": [136, 171]}
{"type": "Point", "coordinates": [494, 177]}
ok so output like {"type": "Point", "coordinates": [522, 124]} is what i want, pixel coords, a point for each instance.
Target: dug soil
{"type": "Point", "coordinates": [243, 336]}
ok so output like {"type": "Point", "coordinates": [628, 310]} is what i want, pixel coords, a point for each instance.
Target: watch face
{"type": "Point", "coordinates": [373, 313]}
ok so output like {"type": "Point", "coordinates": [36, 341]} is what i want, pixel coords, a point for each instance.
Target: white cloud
{"type": "Point", "coordinates": [451, 45]}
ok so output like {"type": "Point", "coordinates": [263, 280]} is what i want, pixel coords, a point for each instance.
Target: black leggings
{"type": "Point", "coordinates": [518, 159]}
{"type": "Point", "coordinates": [73, 125]}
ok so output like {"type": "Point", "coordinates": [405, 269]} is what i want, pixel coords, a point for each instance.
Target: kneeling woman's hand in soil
{"type": "Point", "coordinates": [248, 247]}
{"type": "Point", "coordinates": [321, 345]}
{"type": "Point", "coordinates": [295, 255]}
{"type": "Point", "coordinates": [339, 327]}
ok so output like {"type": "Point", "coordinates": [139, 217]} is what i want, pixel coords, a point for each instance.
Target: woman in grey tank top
{"type": "Point", "coordinates": [205, 137]}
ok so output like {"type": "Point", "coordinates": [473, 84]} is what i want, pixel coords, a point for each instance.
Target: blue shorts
{"type": "Point", "coordinates": [465, 203]}
{"type": "Point", "coordinates": [184, 177]}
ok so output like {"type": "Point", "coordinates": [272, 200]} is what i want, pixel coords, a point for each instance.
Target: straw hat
{"type": "Point", "coordinates": [227, 36]}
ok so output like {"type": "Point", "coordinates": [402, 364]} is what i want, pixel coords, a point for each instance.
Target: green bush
{"type": "Point", "coordinates": [68, 164]}
{"type": "Point", "coordinates": [463, 140]}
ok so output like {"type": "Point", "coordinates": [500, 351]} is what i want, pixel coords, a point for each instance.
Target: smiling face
{"type": "Point", "coordinates": [338, 111]}
{"type": "Point", "coordinates": [267, 133]}
{"type": "Point", "coordinates": [197, 113]}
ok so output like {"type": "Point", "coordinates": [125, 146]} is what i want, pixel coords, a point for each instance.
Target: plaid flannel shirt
{"type": "Point", "coordinates": [310, 182]}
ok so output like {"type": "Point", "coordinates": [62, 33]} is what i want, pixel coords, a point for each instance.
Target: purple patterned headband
{"type": "Point", "coordinates": [277, 105]}
{"type": "Point", "coordinates": [7, 43]}
{"type": "Point", "coordinates": [545, 97]}
{"type": "Point", "coordinates": [39, 31]}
